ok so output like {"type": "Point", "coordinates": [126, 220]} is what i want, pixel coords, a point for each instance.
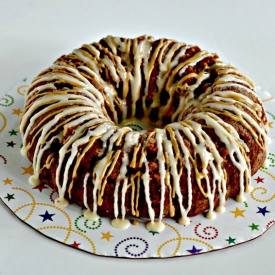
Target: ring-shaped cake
{"type": "Point", "coordinates": [144, 128]}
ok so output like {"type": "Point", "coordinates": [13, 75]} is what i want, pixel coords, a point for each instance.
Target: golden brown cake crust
{"type": "Point", "coordinates": [202, 129]}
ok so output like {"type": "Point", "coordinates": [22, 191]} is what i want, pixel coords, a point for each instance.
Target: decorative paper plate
{"type": "Point", "coordinates": [240, 223]}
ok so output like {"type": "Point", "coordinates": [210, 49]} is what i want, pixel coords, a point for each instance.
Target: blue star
{"type": "Point", "coordinates": [194, 250]}
{"type": "Point", "coordinates": [47, 216]}
{"type": "Point", "coordinates": [263, 210]}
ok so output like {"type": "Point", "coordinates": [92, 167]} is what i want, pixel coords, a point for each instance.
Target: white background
{"type": "Point", "coordinates": [34, 33]}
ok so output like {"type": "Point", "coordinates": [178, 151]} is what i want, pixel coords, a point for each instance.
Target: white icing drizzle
{"type": "Point", "coordinates": [162, 169]}
{"type": "Point", "coordinates": [61, 202]}
{"type": "Point", "coordinates": [120, 223]}
{"type": "Point", "coordinates": [146, 182]}
{"type": "Point", "coordinates": [34, 180]}
{"type": "Point", "coordinates": [85, 194]}
{"type": "Point", "coordinates": [113, 82]}
{"type": "Point", "coordinates": [155, 226]}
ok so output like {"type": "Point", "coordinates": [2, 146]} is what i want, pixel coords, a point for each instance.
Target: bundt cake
{"type": "Point", "coordinates": [144, 128]}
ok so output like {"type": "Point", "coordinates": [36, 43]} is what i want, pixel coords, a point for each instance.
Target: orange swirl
{"type": "Point", "coordinates": [4, 123]}
{"type": "Point", "coordinates": [21, 90]}
{"type": "Point", "coordinates": [263, 192]}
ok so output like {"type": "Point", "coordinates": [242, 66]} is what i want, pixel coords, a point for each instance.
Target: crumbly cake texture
{"type": "Point", "coordinates": [144, 128]}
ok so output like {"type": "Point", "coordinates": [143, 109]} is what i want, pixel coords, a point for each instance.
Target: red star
{"type": "Point", "coordinates": [40, 187]}
{"type": "Point", "coordinates": [259, 180]}
{"type": "Point", "coordinates": [75, 244]}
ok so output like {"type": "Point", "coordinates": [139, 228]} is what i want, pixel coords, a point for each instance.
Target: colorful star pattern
{"type": "Point", "coordinates": [10, 197]}
{"type": "Point", "coordinates": [75, 244]}
{"type": "Point", "coordinates": [11, 144]}
{"type": "Point", "coordinates": [263, 210]}
{"type": "Point", "coordinates": [231, 240]}
{"type": "Point", "coordinates": [194, 250]}
{"type": "Point", "coordinates": [47, 216]}
{"type": "Point", "coordinates": [27, 170]}
{"type": "Point", "coordinates": [7, 181]}
{"type": "Point", "coordinates": [254, 226]}
{"type": "Point", "coordinates": [238, 212]}
{"type": "Point", "coordinates": [106, 235]}
{"type": "Point", "coordinates": [153, 232]}
{"type": "Point", "coordinates": [13, 132]}
{"type": "Point", "coordinates": [16, 112]}
{"type": "Point", "coordinates": [259, 180]}
{"type": "Point", "coordinates": [40, 187]}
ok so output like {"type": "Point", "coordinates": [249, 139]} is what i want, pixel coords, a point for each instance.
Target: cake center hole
{"type": "Point", "coordinates": [136, 124]}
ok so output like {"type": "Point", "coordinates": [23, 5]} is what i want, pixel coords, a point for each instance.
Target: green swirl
{"type": "Point", "coordinates": [6, 101]}
{"type": "Point", "coordinates": [82, 224]}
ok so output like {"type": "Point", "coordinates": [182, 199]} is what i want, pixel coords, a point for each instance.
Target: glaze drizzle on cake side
{"type": "Point", "coordinates": [144, 128]}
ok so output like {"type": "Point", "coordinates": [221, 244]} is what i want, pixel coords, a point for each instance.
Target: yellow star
{"type": "Point", "coordinates": [106, 236]}
{"type": "Point", "coordinates": [7, 181]}
{"type": "Point", "coordinates": [27, 170]}
{"type": "Point", "coordinates": [270, 124]}
{"type": "Point", "coordinates": [238, 212]}
{"type": "Point", "coordinates": [16, 112]}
